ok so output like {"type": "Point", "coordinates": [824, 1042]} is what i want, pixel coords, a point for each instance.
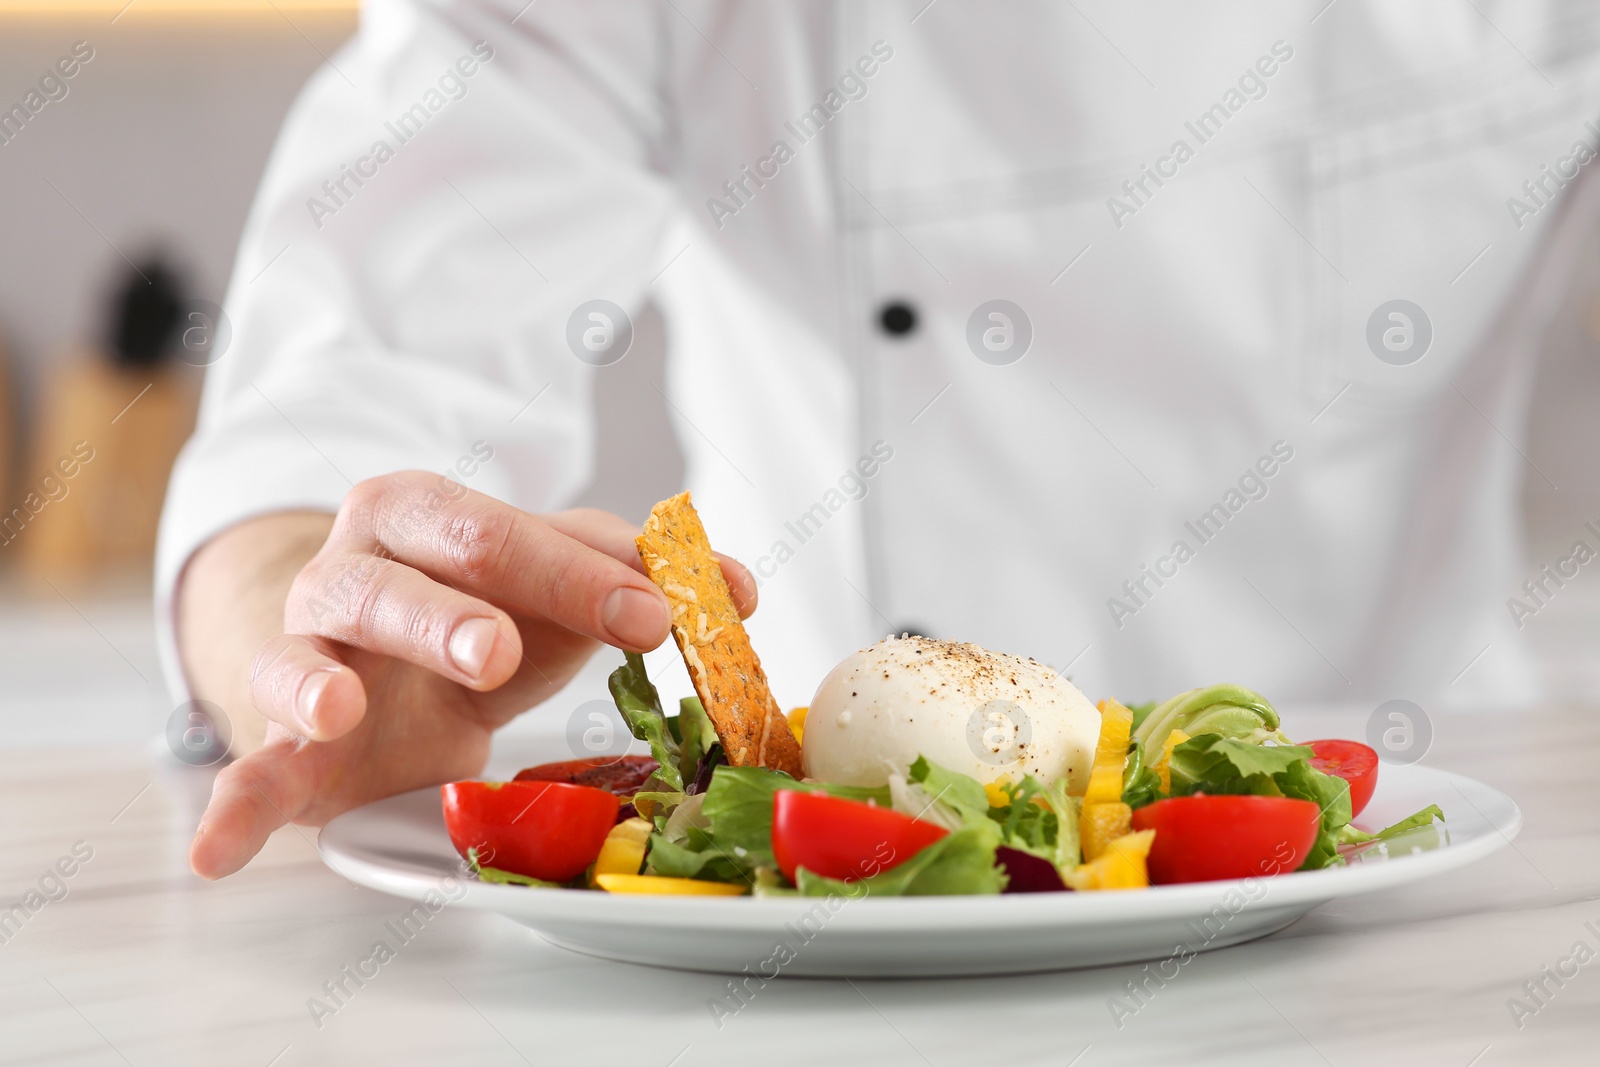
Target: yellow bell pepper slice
{"type": "Point", "coordinates": [1163, 766]}
{"type": "Point", "coordinates": [1120, 866]}
{"type": "Point", "coordinates": [797, 721]}
{"type": "Point", "coordinates": [666, 887]}
{"type": "Point", "coordinates": [1110, 754]}
{"type": "Point", "coordinates": [1104, 817]}
{"type": "Point", "coordinates": [623, 850]}
{"type": "Point", "coordinates": [996, 791]}
{"type": "Point", "coordinates": [1101, 824]}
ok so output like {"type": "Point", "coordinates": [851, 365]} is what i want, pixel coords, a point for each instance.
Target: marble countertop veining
{"type": "Point", "coordinates": [139, 962]}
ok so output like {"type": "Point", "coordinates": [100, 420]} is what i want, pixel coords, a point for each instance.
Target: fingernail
{"type": "Point", "coordinates": [635, 618]}
{"type": "Point", "coordinates": [471, 644]}
{"type": "Point", "coordinates": [310, 693]}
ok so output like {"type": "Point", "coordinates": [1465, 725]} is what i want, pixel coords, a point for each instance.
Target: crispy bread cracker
{"type": "Point", "coordinates": [716, 649]}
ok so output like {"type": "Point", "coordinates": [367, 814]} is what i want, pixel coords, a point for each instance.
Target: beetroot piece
{"type": "Point", "coordinates": [1027, 872]}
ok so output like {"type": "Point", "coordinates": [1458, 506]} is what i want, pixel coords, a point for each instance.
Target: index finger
{"type": "Point", "coordinates": [481, 545]}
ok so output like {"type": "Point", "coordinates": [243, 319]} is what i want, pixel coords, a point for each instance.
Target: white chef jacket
{"type": "Point", "coordinates": [770, 176]}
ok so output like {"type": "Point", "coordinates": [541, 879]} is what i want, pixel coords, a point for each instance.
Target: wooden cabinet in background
{"type": "Point", "coordinates": [87, 499]}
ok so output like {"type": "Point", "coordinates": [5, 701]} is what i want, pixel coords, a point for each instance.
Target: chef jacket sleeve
{"type": "Point", "coordinates": [445, 193]}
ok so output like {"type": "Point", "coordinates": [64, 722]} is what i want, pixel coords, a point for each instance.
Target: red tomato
{"type": "Point", "coordinates": [547, 830]}
{"type": "Point", "coordinates": [622, 775]}
{"type": "Point", "coordinates": [843, 839]}
{"type": "Point", "coordinates": [1207, 838]}
{"type": "Point", "coordinates": [1352, 761]}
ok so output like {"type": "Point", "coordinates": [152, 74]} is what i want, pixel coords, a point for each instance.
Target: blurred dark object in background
{"type": "Point", "coordinates": [112, 417]}
{"type": "Point", "coordinates": [146, 315]}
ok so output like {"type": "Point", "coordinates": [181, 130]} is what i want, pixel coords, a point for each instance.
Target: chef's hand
{"type": "Point", "coordinates": [422, 623]}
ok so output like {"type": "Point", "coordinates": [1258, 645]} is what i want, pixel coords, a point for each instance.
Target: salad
{"type": "Point", "coordinates": [920, 767]}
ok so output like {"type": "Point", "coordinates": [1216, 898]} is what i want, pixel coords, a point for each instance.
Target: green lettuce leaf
{"type": "Point", "coordinates": [1349, 835]}
{"type": "Point", "coordinates": [1332, 797]}
{"type": "Point", "coordinates": [695, 736]}
{"type": "Point", "coordinates": [497, 876]}
{"type": "Point", "coordinates": [1048, 830]}
{"type": "Point", "coordinates": [1212, 763]}
{"type": "Point", "coordinates": [962, 794]}
{"type": "Point", "coordinates": [960, 863]}
{"type": "Point", "coordinates": [1024, 824]}
{"type": "Point", "coordinates": [640, 706]}
{"type": "Point", "coordinates": [696, 856]}
{"type": "Point", "coordinates": [1140, 784]}
{"type": "Point", "coordinates": [666, 798]}
{"type": "Point", "coordinates": [1069, 850]}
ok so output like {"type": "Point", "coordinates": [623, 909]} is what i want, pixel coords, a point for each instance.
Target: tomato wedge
{"type": "Point", "coordinates": [1351, 760]}
{"type": "Point", "coordinates": [1209, 838]}
{"type": "Point", "coordinates": [622, 775]}
{"type": "Point", "coordinates": [546, 830]}
{"type": "Point", "coordinates": [843, 839]}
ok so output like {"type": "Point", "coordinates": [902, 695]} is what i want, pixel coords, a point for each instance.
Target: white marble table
{"type": "Point", "coordinates": [143, 963]}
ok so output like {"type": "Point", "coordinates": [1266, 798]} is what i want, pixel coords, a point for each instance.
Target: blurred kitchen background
{"type": "Point", "coordinates": [120, 205]}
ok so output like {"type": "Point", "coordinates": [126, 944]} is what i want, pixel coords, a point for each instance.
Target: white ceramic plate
{"type": "Point", "coordinates": [399, 846]}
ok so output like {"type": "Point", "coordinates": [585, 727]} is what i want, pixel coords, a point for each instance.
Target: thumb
{"type": "Point", "coordinates": [251, 798]}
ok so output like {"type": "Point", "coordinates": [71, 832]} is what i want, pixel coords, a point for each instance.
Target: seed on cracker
{"type": "Point", "coordinates": [725, 670]}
